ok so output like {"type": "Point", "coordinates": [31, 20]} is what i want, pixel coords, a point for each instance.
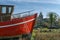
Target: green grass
{"type": "Point", "coordinates": [46, 34]}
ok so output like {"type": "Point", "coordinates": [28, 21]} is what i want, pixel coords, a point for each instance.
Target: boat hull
{"type": "Point", "coordinates": [17, 26]}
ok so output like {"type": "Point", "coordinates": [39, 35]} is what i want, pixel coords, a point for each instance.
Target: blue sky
{"type": "Point", "coordinates": [43, 6]}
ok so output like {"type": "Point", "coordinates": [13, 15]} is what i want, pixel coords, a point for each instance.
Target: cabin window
{"type": "Point", "coordinates": [3, 10]}
{"type": "Point", "coordinates": [9, 9]}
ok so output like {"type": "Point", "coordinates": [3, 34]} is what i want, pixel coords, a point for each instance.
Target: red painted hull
{"type": "Point", "coordinates": [17, 26]}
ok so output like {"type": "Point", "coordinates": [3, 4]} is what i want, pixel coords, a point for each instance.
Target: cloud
{"type": "Point", "coordinates": [24, 0]}
{"type": "Point", "coordinates": [39, 1]}
{"type": "Point", "coordinates": [51, 1]}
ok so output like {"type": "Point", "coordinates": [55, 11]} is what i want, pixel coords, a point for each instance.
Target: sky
{"type": "Point", "coordinates": [38, 6]}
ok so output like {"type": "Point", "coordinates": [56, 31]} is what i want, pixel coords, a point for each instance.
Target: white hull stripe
{"type": "Point", "coordinates": [17, 23]}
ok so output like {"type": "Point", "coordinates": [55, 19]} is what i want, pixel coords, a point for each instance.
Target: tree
{"type": "Point", "coordinates": [58, 22]}
{"type": "Point", "coordinates": [40, 19]}
{"type": "Point", "coordinates": [52, 18]}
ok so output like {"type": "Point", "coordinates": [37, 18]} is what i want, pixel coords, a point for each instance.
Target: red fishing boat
{"type": "Point", "coordinates": [14, 25]}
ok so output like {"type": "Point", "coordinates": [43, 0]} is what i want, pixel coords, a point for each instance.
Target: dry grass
{"type": "Point", "coordinates": [46, 35]}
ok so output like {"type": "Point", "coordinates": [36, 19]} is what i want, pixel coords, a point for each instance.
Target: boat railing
{"type": "Point", "coordinates": [22, 14]}
{"type": "Point", "coordinates": [18, 15]}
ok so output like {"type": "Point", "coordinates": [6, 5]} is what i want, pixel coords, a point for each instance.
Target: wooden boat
{"type": "Point", "coordinates": [11, 26]}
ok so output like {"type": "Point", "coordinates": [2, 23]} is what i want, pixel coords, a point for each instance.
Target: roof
{"type": "Point", "coordinates": [7, 5]}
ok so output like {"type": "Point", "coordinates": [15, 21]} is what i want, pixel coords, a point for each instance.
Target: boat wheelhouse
{"type": "Point", "coordinates": [14, 25]}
